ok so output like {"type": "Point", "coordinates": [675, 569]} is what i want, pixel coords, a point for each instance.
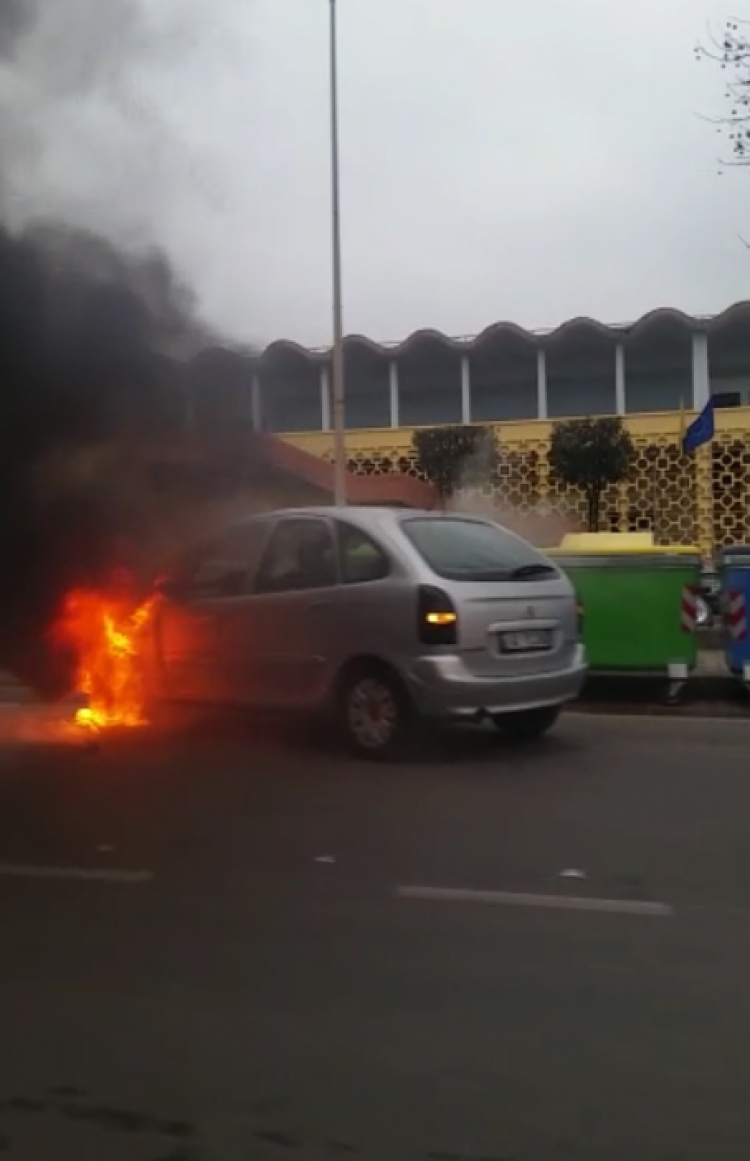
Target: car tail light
{"type": "Point", "coordinates": [437, 617]}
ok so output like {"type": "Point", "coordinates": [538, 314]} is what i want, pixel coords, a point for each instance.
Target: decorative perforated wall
{"type": "Point", "coordinates": [701, 499]}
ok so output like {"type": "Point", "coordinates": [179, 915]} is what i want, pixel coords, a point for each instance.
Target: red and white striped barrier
{"type": "Point", "coordinates": [689, 609]}
{"type": "Point", "coordinates": [735, 615]}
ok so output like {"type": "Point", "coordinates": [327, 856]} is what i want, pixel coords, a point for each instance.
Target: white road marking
{"type": "Point", "coordinates": [85, 874]}
{"type": "Point", "coordinates": [519, 899]}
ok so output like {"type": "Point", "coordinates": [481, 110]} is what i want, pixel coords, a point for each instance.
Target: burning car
{"type": "Point", "coordinates": [384, 617]}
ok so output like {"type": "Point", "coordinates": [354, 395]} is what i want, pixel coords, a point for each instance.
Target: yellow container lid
{"type": "Point", "coordinates": [608, 541]}
{"type": "Point", "coordinates": [616, 543]}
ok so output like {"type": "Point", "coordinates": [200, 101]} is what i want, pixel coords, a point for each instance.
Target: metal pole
{"type": "Point", "coordinates": [339, 448]}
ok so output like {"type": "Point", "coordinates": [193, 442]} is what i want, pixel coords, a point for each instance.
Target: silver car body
{"type": "Point", "coordinates": [231, 632]}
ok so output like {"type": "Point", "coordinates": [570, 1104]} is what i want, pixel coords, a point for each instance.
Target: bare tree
{"type": "Point", "coordinates": [731, 52]}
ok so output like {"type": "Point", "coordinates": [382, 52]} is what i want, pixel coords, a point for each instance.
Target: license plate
{"type": "Point", "coordinates": [526, 641]}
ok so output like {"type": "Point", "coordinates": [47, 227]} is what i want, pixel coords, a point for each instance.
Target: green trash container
{"type": "Point", "coordinates": [639, 602]}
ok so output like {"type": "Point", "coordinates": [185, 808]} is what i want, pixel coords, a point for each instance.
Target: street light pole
{"type": "Point", "coordinates": [337, 401]}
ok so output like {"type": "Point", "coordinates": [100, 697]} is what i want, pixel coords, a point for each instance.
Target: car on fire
{"type": "Point", "coordinates": [385, 617]}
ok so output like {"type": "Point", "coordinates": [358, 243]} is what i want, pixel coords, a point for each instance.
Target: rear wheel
{"type": "Point", "coordinates": [528, 724]}
{"type": "Point", "coordinates": [376, 714]}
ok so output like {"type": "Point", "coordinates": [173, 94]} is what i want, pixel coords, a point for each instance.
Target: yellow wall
{"type": "Point", "coordinates": [703, 498]}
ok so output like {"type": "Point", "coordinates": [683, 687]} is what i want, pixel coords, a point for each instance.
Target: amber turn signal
{"type": "Point", "coordinates": [441, 618]}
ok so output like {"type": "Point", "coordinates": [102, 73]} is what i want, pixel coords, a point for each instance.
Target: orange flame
{"type": "Point", "coordinates": [108, 635]}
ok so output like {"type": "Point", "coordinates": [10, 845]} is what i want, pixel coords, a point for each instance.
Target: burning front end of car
{"type": "Point", "coordinates": [108, 635]}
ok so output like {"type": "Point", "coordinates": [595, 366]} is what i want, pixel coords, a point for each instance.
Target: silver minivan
{"type": "Point", "coordinates": [385, 616]}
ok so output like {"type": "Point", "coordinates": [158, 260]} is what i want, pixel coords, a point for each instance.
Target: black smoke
{"type": "Point", "coordinates": [88, 383]}
{"type": "Point", "coordinates": [97, 375]}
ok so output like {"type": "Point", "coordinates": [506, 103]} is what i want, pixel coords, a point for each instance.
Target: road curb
{"type": "Point", "coordinates": [704, 695]}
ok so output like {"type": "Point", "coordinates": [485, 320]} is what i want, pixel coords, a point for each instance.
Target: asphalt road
{"type": "Point", "coordinates": [222, 947]}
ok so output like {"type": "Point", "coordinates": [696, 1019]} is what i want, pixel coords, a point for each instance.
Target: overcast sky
{"type": "Point", "coordinates": [501, 159]}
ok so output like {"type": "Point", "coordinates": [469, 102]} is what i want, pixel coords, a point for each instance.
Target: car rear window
{"type": "Point", "coordinates": [475, 551]}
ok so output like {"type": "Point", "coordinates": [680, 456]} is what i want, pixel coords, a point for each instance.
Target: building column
{"type": "Point", "coordinates": [393, 389]}
{"type": "Point", "coordinates": [541, 384]}
{"type": "Point", "coordinates": [325, 399]}
{"type": "Point", "coordinates": [620, 406]}
{"type": "Point", "coordinates": [256, 404]}
{"type": "Point", "coordinates": [701, 377]}
{"type": "Point", "coordinates": [465, 390]}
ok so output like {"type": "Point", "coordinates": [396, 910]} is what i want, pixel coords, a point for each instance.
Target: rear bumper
{"type": "Point", "coordinates": [443, 687]}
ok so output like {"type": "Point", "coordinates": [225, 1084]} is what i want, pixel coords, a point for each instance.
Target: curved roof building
{"type": "Point", "coordinates": [663, 361]}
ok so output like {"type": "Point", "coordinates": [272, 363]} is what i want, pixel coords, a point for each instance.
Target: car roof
{"type": "Point", "coordinates": [364, 515]}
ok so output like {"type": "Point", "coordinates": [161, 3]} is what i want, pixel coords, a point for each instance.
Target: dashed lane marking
{"type": "Point", "coordinates": [553, 902]}
{"type": "Point", "coordinates": [84, 874]}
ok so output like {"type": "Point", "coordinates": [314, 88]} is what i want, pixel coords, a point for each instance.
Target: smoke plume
{"type": "Point", "coordinates": [95, 327]}
{"type": "Point", "coordinates": [14, 15]}
{"type": "Point", "coordinates": [84, 382]}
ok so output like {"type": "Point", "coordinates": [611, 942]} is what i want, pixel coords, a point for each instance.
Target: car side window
{"type": "Point", "coordinates": [299, 555]}
{"type": "Point", "coordinates": [362, 559]}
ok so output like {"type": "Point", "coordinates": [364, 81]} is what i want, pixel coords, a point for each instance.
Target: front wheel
{"type": "Point", "coordinates": [526, 725]}
{"type": "Point", "coordinates": [377, 717]}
